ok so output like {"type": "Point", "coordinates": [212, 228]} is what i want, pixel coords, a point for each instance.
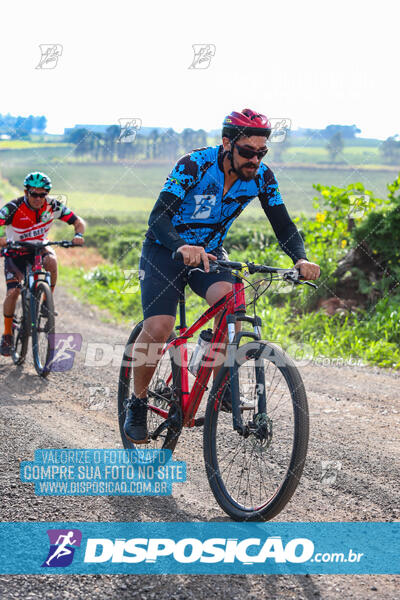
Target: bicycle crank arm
{"type": "Point", "coordinates": [174, 422]}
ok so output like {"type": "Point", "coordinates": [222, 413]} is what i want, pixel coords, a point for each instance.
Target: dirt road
{"type": "Point", "coordinates": [355, 418]}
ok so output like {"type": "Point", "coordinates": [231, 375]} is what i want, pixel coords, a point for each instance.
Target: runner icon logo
{"type": "Point", "coordinates": [63, 543]}
{"type": "Point", "coordinates": [65, 346]}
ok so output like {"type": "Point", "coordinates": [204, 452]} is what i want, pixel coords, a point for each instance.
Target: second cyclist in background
{"type": "Point", "coordinates": [29, 219]}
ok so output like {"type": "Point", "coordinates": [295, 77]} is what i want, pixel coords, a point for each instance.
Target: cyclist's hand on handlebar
{"type": "Point", "coordinates": [78, 241]}
{"type": "Point", "coordinates": [194, 255]}
{"type": "Point", "coordinates": [308, 270]}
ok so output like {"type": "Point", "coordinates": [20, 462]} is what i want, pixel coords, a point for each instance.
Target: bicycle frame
{"type": "Point", "coordinates": [233, 309]}
{"type": "Point", "coordinates": [33, 275]}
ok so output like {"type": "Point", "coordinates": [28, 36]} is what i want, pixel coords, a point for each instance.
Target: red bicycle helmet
{"type": "Point", "coordinates": [246, 123]}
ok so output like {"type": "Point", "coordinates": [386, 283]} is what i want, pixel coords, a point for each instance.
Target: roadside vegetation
{"type": "Point", "coordinates": [355, 313]}
{"type": "Point", "coordinates": [350, 229]}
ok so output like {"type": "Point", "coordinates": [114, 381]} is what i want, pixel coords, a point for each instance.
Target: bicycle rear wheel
{"type": "Point", "coordinates": [254, 476]}
{"type": "Point", "coordinates": [43, 328]}
{"type": "Point", "coordinates": [162, 395]}
{"type": "Point", "coordinates": [20, 327]}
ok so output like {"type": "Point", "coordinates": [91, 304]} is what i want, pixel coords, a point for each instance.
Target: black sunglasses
{"type": "Point", "coordinates": [247, 153]}
{"type": "Point", "coordinates": [36, 195]}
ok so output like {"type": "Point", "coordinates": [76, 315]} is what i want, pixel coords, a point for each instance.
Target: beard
{"type": "Point", "coordinates": [247, 175]}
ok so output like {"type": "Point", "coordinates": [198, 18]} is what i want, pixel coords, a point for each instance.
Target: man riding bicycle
{"type": "Point", "coordinates": [29, 219]}
{"type": "Point", "coordinates": [204, 193]}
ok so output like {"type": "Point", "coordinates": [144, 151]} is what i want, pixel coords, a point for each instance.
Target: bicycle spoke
{"type": "Point", "coordinates": [161, 395]}
{"type": "Point", "coordinates": [252, 467]}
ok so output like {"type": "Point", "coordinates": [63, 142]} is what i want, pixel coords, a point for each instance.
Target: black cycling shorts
{"type": "Point", "coordinates": [14, 267]}
{"type": "Point", "coordinates": [162, 279]}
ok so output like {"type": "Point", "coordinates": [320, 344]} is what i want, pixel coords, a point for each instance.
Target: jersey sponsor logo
{"type": "Point", "coordinates": [204, 206]}
{"type": "Point", "coordinates": [34, 233]}
{"type": "Point", "coordinates": [45, 216]}
{"type": "Point", "coordinates": [4, 212]}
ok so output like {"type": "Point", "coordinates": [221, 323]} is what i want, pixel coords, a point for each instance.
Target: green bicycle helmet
{"type": "Point", "coordinates": [37, 180]}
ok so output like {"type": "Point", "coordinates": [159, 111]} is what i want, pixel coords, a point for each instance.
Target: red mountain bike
{"type": "Point", "coordinates": [255, 445]}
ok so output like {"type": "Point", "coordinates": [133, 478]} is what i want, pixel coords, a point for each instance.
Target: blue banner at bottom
{"type": "Point", "coordinates": [208, 548]}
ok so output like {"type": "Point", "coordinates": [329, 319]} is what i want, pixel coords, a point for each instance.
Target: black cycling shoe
{"type": "Point", "coordinates": [6, 345]}
{"type": "Point", "coordinates": [135, 426]}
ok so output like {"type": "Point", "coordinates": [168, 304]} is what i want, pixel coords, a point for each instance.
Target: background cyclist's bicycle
{"type": "Point", "coordinates": [34, 313]}
{"type": "Point", "coordinates": [256, 420]}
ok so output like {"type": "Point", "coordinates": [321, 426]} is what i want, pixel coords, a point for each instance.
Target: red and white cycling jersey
{"type": "Point", "coordinates": [25, 223]}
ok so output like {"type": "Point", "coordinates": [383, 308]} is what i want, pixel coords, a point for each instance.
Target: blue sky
{"type": "Point", "coordinates": [312, 62]}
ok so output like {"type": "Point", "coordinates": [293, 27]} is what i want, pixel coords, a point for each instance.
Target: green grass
{"type": "Point", "coordinates": [111, 179]}
{"type": "Point", "coordinates": [370, 334]}
{"type": "Point", "coordinates": [97, 207]}
{"type": "Point", "coordinates": [296, 185]}
{"type": "Point", "coordinates": [110, 188]}
{"type": "Point", "coordinates": [7, 191]}
{"type": "Point", "coordinates": [314, 334]}
{"type": "Point", "coordinates": [25, 144]}
{"type": "Point", "coordinates": [351, 154]}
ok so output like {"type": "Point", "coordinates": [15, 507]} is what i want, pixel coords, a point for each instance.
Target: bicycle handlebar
{"type": "Point", "coordinates": [292, 274]}
{"type": "Point", "coordinates": [21, 245]}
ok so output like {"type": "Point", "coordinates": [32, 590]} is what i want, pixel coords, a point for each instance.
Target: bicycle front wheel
{"type": "Point", "coordinates": [162, 396]}
{"type": "Point", "coordinates": [43, 326]}
{"type": "Point", "coordinates": [20, 330]}
{"type": "Point", "coordinates": [253, 476]}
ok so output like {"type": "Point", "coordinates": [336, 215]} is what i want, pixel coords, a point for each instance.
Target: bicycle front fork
{"type": "Point", "coordinates": [234, 365]}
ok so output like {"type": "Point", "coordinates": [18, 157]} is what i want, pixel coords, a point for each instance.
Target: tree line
{"type": "Point", "coordinates": [113, 144]}
{"type": "Point", "coordinates": [22, 127]}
